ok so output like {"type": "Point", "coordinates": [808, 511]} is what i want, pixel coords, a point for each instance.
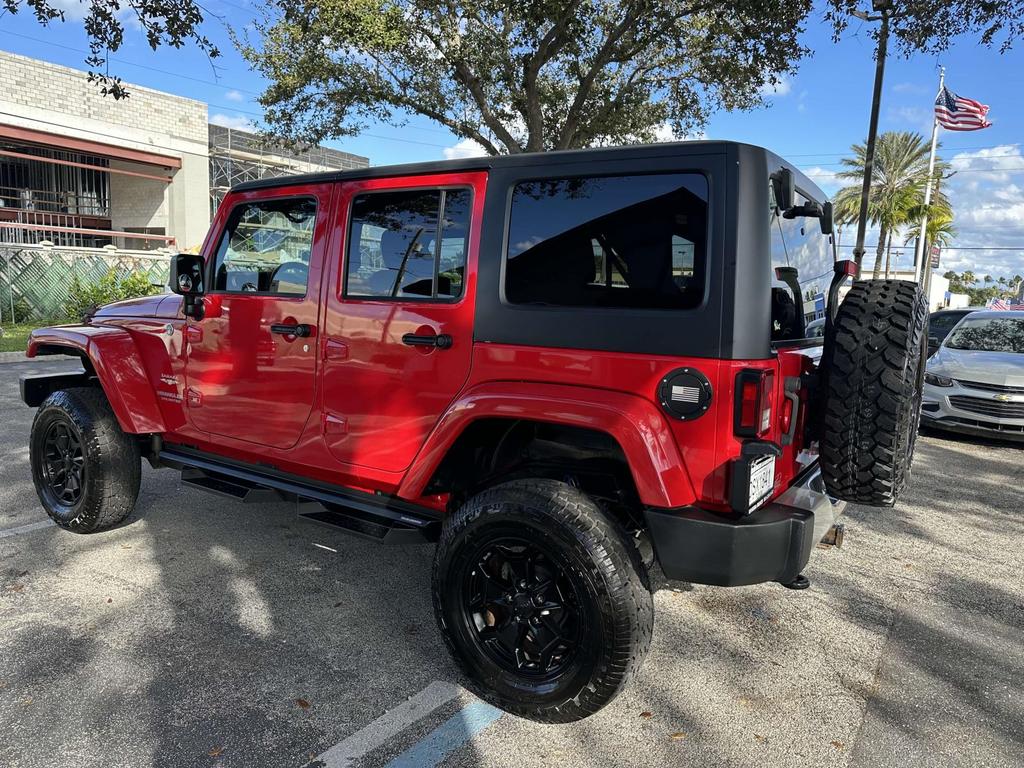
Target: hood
{"type": "Point", "coordinates": [1005, 368]}
{"type": "Point", "coordinates": [163, 305]}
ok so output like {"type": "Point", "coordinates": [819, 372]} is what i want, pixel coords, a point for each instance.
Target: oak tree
{"type": "Point", "coordinates": [523, 75]}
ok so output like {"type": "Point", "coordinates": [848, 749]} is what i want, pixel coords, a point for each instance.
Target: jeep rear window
{"type": "Point", "coordinates": [636, 242]}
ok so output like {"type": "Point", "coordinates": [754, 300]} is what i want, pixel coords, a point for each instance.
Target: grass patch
{"type": "Point", "coordinates": [15, 337]}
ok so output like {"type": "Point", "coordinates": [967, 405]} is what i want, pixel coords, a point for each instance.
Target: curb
{"type": "Point", "coordinates": [19, 357]}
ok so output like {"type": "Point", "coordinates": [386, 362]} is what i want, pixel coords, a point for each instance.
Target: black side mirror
{"type": "Point", "coordinates": [784, 187]}
{"type": "Point", "coordinates": [933, 345]}
{"type": "Point", "coordinates": [187, 281]}
{"type": "Point", "coordinates": [826, 220]}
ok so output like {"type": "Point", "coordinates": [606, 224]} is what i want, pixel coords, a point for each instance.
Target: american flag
{"type": "Point", "coordinates": [959, 114]}
{"type": "Point", "coordinates": [1002, 305]}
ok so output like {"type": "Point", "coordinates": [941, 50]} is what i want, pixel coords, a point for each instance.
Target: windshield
{"type": "Point", "coordinates": [801, 272]}
{"type": "Point", "coordinates": [995, 334]}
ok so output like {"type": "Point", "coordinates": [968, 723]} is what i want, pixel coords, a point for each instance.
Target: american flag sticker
{"type": "Point", "coordinates": [685, 394]}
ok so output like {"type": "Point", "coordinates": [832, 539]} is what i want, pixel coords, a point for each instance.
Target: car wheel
{"type": "Point", "coordinates": [85, 469]}
{"type": "Point", "coordinates": [542, 600]}
{"type": "Point", "coordinates": [873, 366]}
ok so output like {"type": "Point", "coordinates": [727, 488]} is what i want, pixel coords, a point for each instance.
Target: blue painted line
{"type": "Point", "coordinates": [447, 737]}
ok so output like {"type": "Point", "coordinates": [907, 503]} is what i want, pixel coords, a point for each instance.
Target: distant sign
{"type": "Point", "coordinates": [936, 252]}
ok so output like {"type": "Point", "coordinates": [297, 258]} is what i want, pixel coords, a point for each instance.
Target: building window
{"type": "Point", "coordinates": [620, 241]}
{"type": "Point", "coordinates": [394, 249]}
{"type": "Point", "coordinates": [265, 247]}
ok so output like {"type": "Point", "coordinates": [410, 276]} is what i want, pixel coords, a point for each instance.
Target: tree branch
{"type": "Point", "coordinates": [601, 58]}
{"type": "Point", "coordinates": [548, 46]}
{"type": "Point", "coordinates": [468, 78]}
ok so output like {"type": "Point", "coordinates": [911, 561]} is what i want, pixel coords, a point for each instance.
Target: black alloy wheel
{"type": "Point", "coordinates": [86, 470]}
{"type": "Point", "coordinates": [542, 599]}
{"type": "Point", "coordinates": [64, 462]}
{"type": "Point", "coordinates": [522, 608]}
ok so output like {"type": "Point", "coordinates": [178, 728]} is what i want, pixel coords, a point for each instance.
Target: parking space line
{"type": "Point", "coordinates": [26, 528]}
{"type": "Point", "coordinates": [388, 725]}
{"type": "Point", "coordinates": [448, 737]}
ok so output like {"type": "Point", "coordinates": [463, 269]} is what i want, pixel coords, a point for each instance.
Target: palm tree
{"type": "Point", "coordinates": [897, 185]}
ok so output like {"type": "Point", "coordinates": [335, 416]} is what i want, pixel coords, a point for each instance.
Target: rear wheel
{"type": "Point", "coordinates": [542, 600]}
{"type": "Point", "coordinates": [873, 367]}
{"type": "Point", "coordinates": [85, 469]}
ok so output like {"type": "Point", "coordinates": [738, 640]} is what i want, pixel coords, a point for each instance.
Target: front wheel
{"type": "Point", "coordinates": [542, 600]}
{"type": "Point", "coordinates": [85, 469]}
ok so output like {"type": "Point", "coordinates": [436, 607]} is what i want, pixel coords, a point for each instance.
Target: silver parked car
{"type": "Point", "coordinates": [975, 382]}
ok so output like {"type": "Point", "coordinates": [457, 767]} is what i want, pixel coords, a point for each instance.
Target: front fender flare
{"type": "Point", "coordinates": [636, 424]}
{"type": "Point", "coordinates": [114, 357]}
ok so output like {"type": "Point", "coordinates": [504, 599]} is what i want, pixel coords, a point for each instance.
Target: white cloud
{"type": "Point", "coordinates": [465, 148]}
{"type": "Point", "coordinates": [916, 116]}
{"type": "Point", "coordinates": [781, 88]}
{"type": "Point", "coordinates": [910, 88]}
{"type": "Point", "coordinates": [990, 164]}
{"type": "Point", "coordinates": [664, 132]}
{"type": "Point", "coordinates": [988, 203]}
{"type": "Point", "coordinates": [238, 122]}
{"type": "Point", "coordinates": [234, 96]}
{"type": "Point", "coordinates": [825, 178]}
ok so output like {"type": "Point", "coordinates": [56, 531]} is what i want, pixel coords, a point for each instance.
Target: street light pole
{"type": "Point", "coordinates": [882, 7]}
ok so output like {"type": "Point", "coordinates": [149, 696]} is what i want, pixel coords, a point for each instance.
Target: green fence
{"type": "Point", "coordinates": [35, 282]}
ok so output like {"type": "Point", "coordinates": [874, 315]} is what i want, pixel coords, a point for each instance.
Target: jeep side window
{"type": "Point", "coordinates": [616, 241]}
{"type": "Point", "coordinates": [265, 247]}
{"type": "Point", "coordinates": [394, 250]}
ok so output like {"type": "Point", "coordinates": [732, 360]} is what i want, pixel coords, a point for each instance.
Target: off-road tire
{"type": "Point", "coordinates": [873, 369]}
{"type": "Point", "coordinates": [112, 462]}
{"type": "Point", "coordinates": [603, 563]}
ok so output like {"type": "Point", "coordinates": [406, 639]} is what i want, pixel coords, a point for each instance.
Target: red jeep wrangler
{"type": "Point", "coordinates": [565, 368]}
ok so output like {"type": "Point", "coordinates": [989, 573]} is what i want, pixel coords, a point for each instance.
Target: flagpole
{"type": "Point", "coordinates": [919, 255]}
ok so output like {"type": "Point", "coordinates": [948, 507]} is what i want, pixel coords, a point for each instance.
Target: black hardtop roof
{"type": "Point", "coordinates": [522, 160]}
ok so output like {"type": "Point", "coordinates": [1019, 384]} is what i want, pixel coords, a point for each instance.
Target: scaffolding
{"type": "Point", "coordinates": [240, 156]}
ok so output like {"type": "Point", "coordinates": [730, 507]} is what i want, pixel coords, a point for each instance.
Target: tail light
{"type": "Point", "coordinates": [753, 416]}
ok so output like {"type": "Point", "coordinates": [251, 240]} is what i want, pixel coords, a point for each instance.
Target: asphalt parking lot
{"type": "Point", "coordinates": [209, 633]}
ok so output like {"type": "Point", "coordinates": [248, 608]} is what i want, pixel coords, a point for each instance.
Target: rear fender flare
{"type": "Point", "coordinates": [118, 366]}
{"type": "Point", "coordinates": [636, 425]}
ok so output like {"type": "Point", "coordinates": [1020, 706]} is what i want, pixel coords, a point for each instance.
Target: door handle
{"type": "Point", "coordinates": [300, 329]}
{"type": "Point", "coordinates": [441, 341]}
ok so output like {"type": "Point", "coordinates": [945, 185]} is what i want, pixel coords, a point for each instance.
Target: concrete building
{"type": "Point", "coordinates": [83, 170]}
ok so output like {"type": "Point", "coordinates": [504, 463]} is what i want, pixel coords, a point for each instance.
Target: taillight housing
{"type": "Point", "coordinates": [753, 414]}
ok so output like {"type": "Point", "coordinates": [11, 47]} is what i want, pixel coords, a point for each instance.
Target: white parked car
{"type": "Point", "coordinates": [975, 382]}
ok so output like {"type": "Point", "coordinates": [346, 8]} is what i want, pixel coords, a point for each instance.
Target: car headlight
{"type": "Point", "coordinates": [938, 381]}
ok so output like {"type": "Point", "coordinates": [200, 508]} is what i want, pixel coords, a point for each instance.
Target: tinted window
{"type": "Point", "coordinates": [996, 334]}
{"type": "Point", "coordinates": [943, 321]}
{"type": "Point", "coordinates": [622, 241]}
{"type": "Point", "coordinates": [265, 247]}
{"type": "Point", "coordinates": [801, 260]}
{"type": "Point", "coordinates": [394, 249]}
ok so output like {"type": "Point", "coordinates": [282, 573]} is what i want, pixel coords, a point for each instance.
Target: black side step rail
{"type": "Point", "coordinates": [381, 518]}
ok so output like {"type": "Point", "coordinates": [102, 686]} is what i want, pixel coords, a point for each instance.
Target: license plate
{"type": "Point", "coordinates": [762, 480]}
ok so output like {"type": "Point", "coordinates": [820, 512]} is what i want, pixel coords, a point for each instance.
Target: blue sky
{"type": "Point", "coordinates": [812, 119]}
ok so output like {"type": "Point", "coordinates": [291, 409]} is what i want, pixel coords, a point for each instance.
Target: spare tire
{"type": "Point", "coordinates": [872, 369]}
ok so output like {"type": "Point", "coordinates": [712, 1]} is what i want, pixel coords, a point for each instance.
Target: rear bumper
{"type": "Point", "coordinates": [772, 544]}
